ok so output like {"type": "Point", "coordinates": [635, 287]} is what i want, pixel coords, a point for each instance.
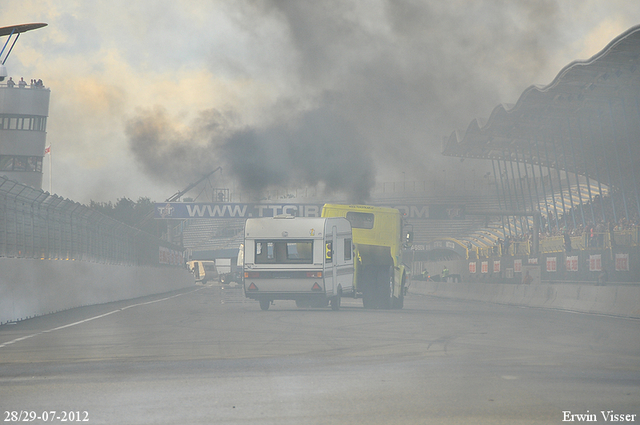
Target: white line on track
{"type": "Point", "coordinates": [22, 338]}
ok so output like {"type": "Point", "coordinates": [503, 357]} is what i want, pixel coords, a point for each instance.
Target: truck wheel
{"type": "Point", "coordinates": [388, 293]}
{"type": "Point", "coordinates": [398, 302]}
{"type": "Point", "coordinates": [384, 288]}
{"type": "Point", "coordinates": [264, 304]}
{"type": "Point", "coordinates": [368, 297]}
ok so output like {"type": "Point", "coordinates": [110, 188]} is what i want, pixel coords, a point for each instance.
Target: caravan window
{"type": "Point", "coordinates": [360, 220]}
{"type": "Point", "coordinates": [284, 252]}
{"type": "Point", "coordinates": [347, 249]}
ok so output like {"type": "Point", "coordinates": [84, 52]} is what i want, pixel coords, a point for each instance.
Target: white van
{"type": "Point", "coordinates": [308, 260]}
{"type": "Point", "coordinates": [203, 271]}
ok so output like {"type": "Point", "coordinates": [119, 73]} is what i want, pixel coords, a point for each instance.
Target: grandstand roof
{"type": "Point", "coordinates": [586, 121]}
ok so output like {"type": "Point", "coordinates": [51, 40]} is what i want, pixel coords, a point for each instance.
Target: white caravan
{"type": "Point", "coordinates": [308, 260]}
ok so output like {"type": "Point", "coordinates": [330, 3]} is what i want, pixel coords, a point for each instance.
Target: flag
{"type": "Point", "coordinates": [47, 150]}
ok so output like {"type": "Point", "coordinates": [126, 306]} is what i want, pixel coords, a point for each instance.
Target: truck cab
{"type": "Point", "coordinates": [307, 260]}
{"type": "Point", "coordinates": [378, 238]}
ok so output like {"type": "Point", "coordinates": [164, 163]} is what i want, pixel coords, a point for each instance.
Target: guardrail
{"type": "Point", "coordinates": [36, 224]}
{"type": "Point", "coordinates": [551, 244]}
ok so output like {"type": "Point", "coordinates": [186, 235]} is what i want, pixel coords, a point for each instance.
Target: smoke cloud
{"type": "Point", "coordinates": [316, 148]}
{"type": "Point", "coordinates": [387, 81]}
{"type": "Point", "coordinates": [146, 97]}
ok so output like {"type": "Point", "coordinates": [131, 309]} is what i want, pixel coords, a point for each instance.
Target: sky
{"type": "Point", "coordinates": [148, 96]}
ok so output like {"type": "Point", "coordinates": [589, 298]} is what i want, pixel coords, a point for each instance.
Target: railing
{"type": "Point", "coordinates": [35, 224]}
{"type": "Point", "coordinates": [16, 85]}
{"type": "Point", "coordinates": [550, 244]}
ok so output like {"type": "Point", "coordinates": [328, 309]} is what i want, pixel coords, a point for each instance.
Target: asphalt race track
{"type": "Point", "coordinates": [207, 355]}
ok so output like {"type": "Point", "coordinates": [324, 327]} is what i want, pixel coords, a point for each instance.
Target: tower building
{"type": "Point", "coordinates": [24, 108]}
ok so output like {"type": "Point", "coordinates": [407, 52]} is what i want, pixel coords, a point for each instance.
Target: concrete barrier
{"type": "Point", "coordinates": [31, 287]}
{"type": "Point", "coordinates": [614, 299]}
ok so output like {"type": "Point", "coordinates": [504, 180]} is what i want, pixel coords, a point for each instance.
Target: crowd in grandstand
{"type": "Point", "coordinates": [597, 221]}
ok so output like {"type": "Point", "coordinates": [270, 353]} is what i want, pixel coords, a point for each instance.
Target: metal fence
{"type": "Point", "coordinates": [36, 224]}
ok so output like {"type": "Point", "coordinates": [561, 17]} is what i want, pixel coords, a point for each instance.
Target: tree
{"type": "Point", "coordinates": [128, 212]}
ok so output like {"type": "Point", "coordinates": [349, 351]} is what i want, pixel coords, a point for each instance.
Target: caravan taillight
{"type": "Point", "coordinates": [314, 274]}
{"type": "Point", "coordinates": [253, 275]}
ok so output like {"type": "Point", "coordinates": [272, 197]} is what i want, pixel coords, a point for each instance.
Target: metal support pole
{"type": "Point", "coordinates": [607, 168]}
{"type": "Point", "coordinates": [598, 180]}
{"type": "Point", "coordinates": [524, 202]}
{"type": "Point", "coordinates": [566, 171]}
{"type": "Point", "coordinates": [586, 171]}
{"type": "Point", "coordinates": [505, 196]}
{"type": "Point", "coordinates": [557, 166]}
{"type": "Point", "coordinates": [526, 177]}
{"type": "Point", "coordinates": [575, 168]}
{"type": "Point", "coordinates": [553, 196]}
{"type": "Point", "coordinates": [515, 192]}
{"type": "Point", "coordinates": [544, 191]}
{"type": "Point", "coordinates": [533, 176]}
{"type": "Point", "coordinates": [615, 149]}
{"type": "Point", "coordinates": [633, 177]}
{"type": "Point", "coordinates": [493, 164]}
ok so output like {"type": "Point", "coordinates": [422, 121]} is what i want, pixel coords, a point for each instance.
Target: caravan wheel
{"type": "Point", "coordinates": [335, 301]}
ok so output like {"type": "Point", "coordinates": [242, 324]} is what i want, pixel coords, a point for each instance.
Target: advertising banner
{"type": "Point", "coordinates": [572, 263]}
{"type": "Point", "coordinates": [622, 262]}
{"type": "Point", "coordinates": [517, 265]}
{"type": "Point", "coordinates": [193, 210]}
{"type": "Point", "coordinates": [182, 210]}
{"type": "Point", "coordinates": [485, 267]}
{"type": "Point", "coordinates": [595, 263]}
{"type": "Point", "coordinates": [551, 264]}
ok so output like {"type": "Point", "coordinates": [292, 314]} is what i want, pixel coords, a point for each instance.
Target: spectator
{"type": "Point", "coordinates": [567, 242]}
{"type": "Point", "coordinates": [11, 83]}
{"type": "Point", "coordinates": [22, 83]}
{"type": "Point", "coordinates": [603, 277]}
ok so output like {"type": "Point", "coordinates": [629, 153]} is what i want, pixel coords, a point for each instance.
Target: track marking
{"type": "Point", "coordinates": [22, 338]}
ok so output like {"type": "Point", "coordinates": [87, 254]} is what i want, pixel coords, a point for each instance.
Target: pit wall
{"type": "Point", "coordinates": [621, 265]}
{"type": "Point", "coordinates": [31, 287]}
{"type": "Point", "coordinates": [612, 299]}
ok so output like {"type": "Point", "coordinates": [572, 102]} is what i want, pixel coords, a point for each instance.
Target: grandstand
{"type": "Point", "coordinates": [213, 234]}
{"type": "Point", "coordinates": [582, 130]}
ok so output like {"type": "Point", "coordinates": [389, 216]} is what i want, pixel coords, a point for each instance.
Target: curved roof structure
{"type": "Point", "coordinates": [20, 28]}
{"type": "Point", "coordinates": [587, 121]}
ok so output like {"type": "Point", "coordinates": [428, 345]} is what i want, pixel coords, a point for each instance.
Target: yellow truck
{"type": "Point", "coordinates": [379, 275]}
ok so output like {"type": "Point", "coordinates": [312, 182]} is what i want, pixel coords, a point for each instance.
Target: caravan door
{"type": "Point", "coordinates": [330, 260]}
{"type": "Point", "coordinates": [334, 265]}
